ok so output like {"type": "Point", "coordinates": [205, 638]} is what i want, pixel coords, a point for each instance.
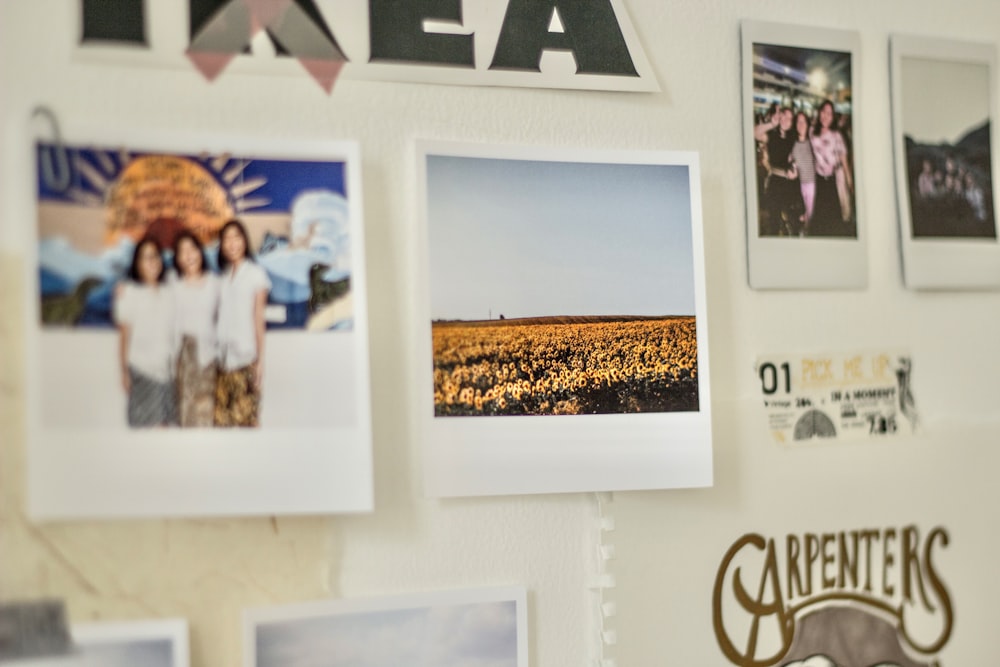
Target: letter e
{"type": "Point", "coordinates": [396, 32]}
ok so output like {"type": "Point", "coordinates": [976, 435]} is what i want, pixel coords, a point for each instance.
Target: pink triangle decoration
{"type": "Point", "coordinates": [325, 72]}
{"type": "Point", "coordinates": [264, 12]}
{"type": "Point", "coordinates": [237, 15]}
{"type": "Point", "coordinates": [208, 63]}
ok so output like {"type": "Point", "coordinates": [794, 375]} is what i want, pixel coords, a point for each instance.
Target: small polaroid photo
{"type": "Point", "coordinates": [944, 101]}
{"type": "Point", "coordinates": [802, 157]}
{"type": "Point", "coordinates": [445, 629]}
{"type": "Point", "coordinates": [159, 643]}
{"type": "Point", "coordinates": [197, 338]}
{"type": "Point", "coordinates": [560, 325]}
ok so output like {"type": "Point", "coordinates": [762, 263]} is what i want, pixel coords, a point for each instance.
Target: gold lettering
{"type": "Point", "coordinates": [828, 559]}
{"type": "Point", "coordinates": [867, 536]}
{"type": "Point", "coordinates": [755, 605]}
{"type": "Point", "coordinates": [792, 550]}
{"type": "Point", "coordinates": [888, 558]}
{"type": "Point", "coordinates": [911, 565]}
{"type": "Point", "coordinates": [817, 370]}
{"type": "Point", "coordinates": [943, 596]}
{"type": "Point", "coordinates": [880, 366]}
{"type": "Point", "coordinates": [848, 560]}
{"type": "Point", "coordinates": [812, 553]}
{"type": "Point", "coordinates": [835, 559]}
{"type": "Point", "coordinates": [852, 368]}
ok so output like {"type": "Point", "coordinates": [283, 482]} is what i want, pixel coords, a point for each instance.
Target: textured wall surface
{"type": "Point", "coordinates": [669, 543]}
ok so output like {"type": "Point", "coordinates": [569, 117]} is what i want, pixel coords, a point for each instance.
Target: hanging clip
{"type": "Point", "coordinates": [53, 163]}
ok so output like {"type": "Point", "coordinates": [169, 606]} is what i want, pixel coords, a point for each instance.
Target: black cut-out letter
{"type": "Point", "coordinates": [397, 32]}
{"type": "Point", "coordinates": [591, 33]}
{"type": "Point", "coordinates": [122, 21]}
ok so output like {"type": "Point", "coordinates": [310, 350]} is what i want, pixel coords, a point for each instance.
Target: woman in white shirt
{"type": "Point", "coordinates": [144, 313]}
{"type": "Point", "coordinates": [243, 289]}
{"type": "Point", "coordinates": [196, 294]}
{"type": "Point", "coordinates": [832, 210]}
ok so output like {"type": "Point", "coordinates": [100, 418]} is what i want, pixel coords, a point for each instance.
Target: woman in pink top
{"type": "Point", "coordinates": [805, 167]}
{"type": "Point", "coordinates": [832, 211]}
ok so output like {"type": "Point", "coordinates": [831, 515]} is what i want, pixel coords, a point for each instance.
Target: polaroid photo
{"type": "Point", "coordinates": [801, 158]}
{"type": "Point", "coordinates": [197, 328]}
{"type": "Point", "coordinates": [160, 643]}
{"type": "Point", "coordinates": [444, 629]}
{"type": "Point", "coordinates": [944, 100]}
{"type": "Point", "coordinates": [560, 328]}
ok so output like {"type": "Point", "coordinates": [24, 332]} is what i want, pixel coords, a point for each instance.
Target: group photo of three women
{"type": "Point", "coordinates": [191, 340]}
{"type": "Point", "coordinates": [805, 177]}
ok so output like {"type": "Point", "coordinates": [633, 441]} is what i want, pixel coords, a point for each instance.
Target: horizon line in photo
{"type": "Point", "coordinates": [563, 318]}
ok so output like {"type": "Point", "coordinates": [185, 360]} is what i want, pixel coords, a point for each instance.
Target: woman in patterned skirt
{"type": "Point", "coordinates": [243, 289]}
{"type": "Point", "coordinates": [196, 292]}
{"type": "Point", "coordinates": [144, 314]}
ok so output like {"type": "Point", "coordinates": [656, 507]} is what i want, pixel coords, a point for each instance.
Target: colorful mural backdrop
{"type": "Point", "coordinates": [295, 212]}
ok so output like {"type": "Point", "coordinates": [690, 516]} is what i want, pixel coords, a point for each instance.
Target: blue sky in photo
{"type": "Point", "coordinates": [461, 635]}
{"type": "Point", "coordinates": [144, 653]}
{"type": "Point", "coordinates": [527, 238]}
{"type": "Point", "coordinates": [942, 100]}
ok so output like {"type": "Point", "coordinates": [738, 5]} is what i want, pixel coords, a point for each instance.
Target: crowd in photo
{"type": "Point", "coordinates": [192, 340]}
{"type": "Point", "coordinates": [952, 183]}
{"type": "Point", "coordinates": [805, 178]}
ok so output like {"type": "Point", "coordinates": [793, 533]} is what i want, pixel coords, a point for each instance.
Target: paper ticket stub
{"type": "Point", "coordinates": [837, 396]}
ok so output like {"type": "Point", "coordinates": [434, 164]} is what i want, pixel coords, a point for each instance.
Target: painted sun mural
{"type": "Point", "coordinates": [168, 191]}
{"type": "Point", "coordinates": [295, 211]}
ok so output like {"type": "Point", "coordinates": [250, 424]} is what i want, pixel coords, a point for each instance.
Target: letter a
{"type": "Point", "coordinates": [590, 31]}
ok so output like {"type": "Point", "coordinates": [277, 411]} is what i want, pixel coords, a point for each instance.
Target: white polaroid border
{"type": "Point", "coordinates": [811, 262]}
{"type": "Point", "coordinates": [932, 262]}
{"type": "Point", "coordinates": [117, 472]}
{"type": "Point", "coordinates": [167, 34]}
{"type": "Point", "coordinates": [501, 455]}
{"type": "Point", "coordinates": [308, 612]}
{"type": "Point", "coordinates": [126, 635]}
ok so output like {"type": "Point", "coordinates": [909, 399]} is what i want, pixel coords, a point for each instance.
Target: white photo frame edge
{"type": "Point", "coordinates": [815, 263]}
{"type": "Point", "coordinates": [338, 478]}
{"type": "Point", "coordinates": [173, 629]}
{"type": "Point", "coordinates": [256, 616]}
{"type": "Point", "coordinates": [90, 633]}
{"type": "Point", "coordinates": [526, 465]}
{"type": "Point", "coordinates": [942, 263]}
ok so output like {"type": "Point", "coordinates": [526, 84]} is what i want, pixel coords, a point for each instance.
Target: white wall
{"type": "Point", "coordinates": [669, 543]}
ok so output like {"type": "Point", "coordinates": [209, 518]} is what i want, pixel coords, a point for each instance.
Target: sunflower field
{"type": "Point", "coordinates": [537, 367]}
